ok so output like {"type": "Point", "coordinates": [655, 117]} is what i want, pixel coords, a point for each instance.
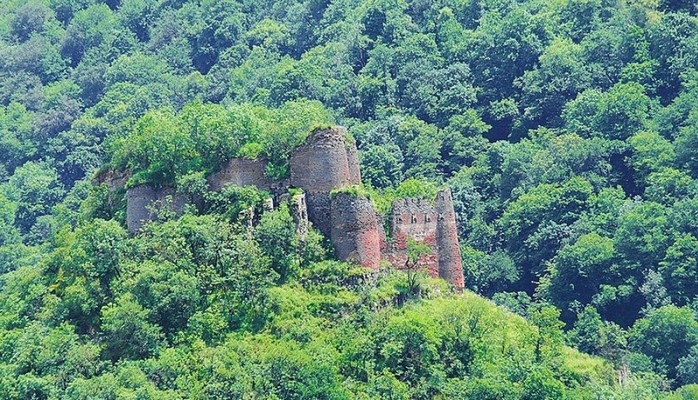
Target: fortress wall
{"type": "Point", "coordinates": [415, 219]}
{"type": "Point", "coordinates": [143, 203]}
{"type": "Point", "coordinates": [323, 164]}
{"type": "Point", "coordinates": [450, 263]}
{"type": "Point", "coordinates": [355, 231]}
{"type": "Point", "coordinates": [138, 200]}
{"type": "Point", "coordinates": [240, 172]}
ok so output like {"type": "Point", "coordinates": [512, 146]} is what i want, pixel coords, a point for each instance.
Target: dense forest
{"type": "Point", "coordinates": [567, 131]}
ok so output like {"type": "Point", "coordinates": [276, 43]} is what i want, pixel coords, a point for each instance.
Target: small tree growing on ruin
{"type": "Point", "coordinates": [415, 251]}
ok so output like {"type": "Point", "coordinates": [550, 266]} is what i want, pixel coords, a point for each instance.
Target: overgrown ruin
{"type": "Point", "coordinates": [323, 168]}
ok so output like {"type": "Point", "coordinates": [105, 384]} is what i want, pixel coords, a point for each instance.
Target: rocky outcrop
{"type": "Point", "coordinates": [113, 179]}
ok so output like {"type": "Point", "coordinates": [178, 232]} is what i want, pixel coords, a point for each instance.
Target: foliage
{"type": "Point", "coordinates": [566, 130]}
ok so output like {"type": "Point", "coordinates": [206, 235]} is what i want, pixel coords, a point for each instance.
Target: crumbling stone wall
{"type": "Point", "coordinates": [320, 166]}
{"type": "Point", "coordinates": [355, 230]}
{"type": "Point", "coordinates": [146, 203]}
{"type": "Point", "coordinates": [415, 219]}
{"type": "Point", "coordinates": [240, 172]}
{"type": "Point", "coordinates": [433, 225]}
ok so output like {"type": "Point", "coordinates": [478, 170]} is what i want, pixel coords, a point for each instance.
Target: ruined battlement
{"type": "Point", "coordinates": [325, 164]}
{"type": "Point", "coordinates": [413, 219]}
{"type": "Point", "coordinates": [241, 172]}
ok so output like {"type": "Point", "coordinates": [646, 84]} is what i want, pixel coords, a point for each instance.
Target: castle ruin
{"type": "Point", "coordinates": [327, 163]}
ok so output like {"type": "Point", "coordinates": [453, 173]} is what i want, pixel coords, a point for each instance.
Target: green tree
{"type": "Point", "coordinates": [34, 188]}
{"type": "Point", "coordinates": [89, 28]}
{"type": "Point", "coordinates": [665, 335]}
{"type": "Point", "coordinates": [579, 270]}
{"type": "Point", "coordinates": [642, 236]}
{"type": "Point", "coordinates": [127, 332]}
{"type": "Point", "coordinates": [680, 269]}
{"type": "Point", "coordinates": [560, 75]}
{"type": "Point", "coordinates": [276, 236]}
{"type": "Point", "coordinates": [381, 166]}
{"type": "Point", "coordinates": [651, 153]}
{"type": "Point", "coordinates": [158, 150]}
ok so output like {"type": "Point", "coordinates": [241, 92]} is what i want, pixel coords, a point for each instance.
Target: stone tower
{"type": "Point", "coordinates": [356, 233]}
{"type": "Point", "coordinates": [320, 166]}
{"type": "Point", "coordinates": [450, 264]}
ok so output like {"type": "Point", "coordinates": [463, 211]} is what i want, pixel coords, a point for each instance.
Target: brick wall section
{"type": "Point", "coordinates": [322, 164]}
{"type": "Point", "coordinates": [355, 230]}
{"type": "Point", "coordinates": [240, 172]}
{"type": "Point", "coordinates": [416, 219]}
{"type": "Point", "coordinates": [450, 264]}
{"type": "Point", "coordinates": [144, 201]}
{"type": "Point", "coordinates": [433, 225]}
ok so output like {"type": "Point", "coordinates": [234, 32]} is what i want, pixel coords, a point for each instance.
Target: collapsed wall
{"type": "Point", "coordinates": [355, 233]}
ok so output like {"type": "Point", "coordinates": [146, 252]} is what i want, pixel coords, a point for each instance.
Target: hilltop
{"type": "Point", "coordinates": [546, 148]}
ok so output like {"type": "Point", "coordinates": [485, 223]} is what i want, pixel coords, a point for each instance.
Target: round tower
{"type": "Point", "coordinates": [320, 166]}
{"type": "Point", "coordinates": [355, 232]}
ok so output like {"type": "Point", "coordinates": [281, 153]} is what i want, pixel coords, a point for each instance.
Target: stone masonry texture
{"type": "Point", "coordinates": [355, 230]}
{"type": "Point", "coordinates": [240, 172]}
{"type": "Point", "coordinates": [145, 202]}
{"type": "Point", "coordinates": [450, 264]}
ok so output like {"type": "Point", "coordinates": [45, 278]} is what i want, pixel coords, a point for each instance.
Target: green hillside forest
{"type": "Point", "coordinates": [567, 131]}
